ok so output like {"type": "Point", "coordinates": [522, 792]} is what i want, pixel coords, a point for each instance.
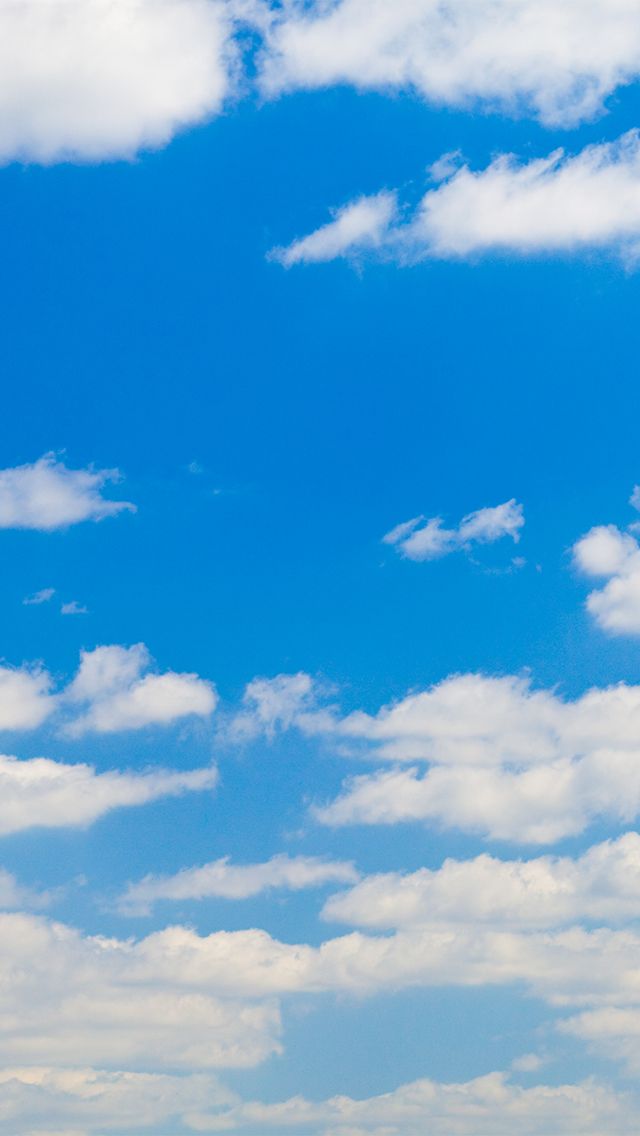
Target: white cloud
{"type": "Point", "coordinates": [15, 897]}
{"type": "Point", "coordinates": [234, 881]}
{"type": "Point", "coordinates": [44, 793]}
{"type": "Point", "coordinates": [557, 204]}
{"type": "Point", "coordinates": [25, 697]}
{"type": "Point", "coordinates": [505, 760]}
{"type": "Point", "coordinates": [613, 1031]}
{"type": "Point", "coordinates": [606, 551]}
{"type": "Point", "coordinates": [117, 694]}
{"type": "Point", "coordinates": [73, 608]}
{"type": "Point", "coordinates": [47, 495]}
{"type": "Point", "coordinates": [602, 885]}
{"type": "Point", "coordinates": [99, 79]}
{"type": "Point", "coordinates": [492, 1103]}
{"type": "Point", "coordinates": [429, 540]}
{"type": "Point", "coordinates": [363, 225]}
{"type": "Point", "coordinates": [43, 596]}
{"type": "Point", "coordinates": [123, 1004]}
{"type": "Point", "coordinates": [556, 62]}
{"type": "Point", "coordinates": [274, 704]}
{"type": "Point", "coordinates": [37, 1100]}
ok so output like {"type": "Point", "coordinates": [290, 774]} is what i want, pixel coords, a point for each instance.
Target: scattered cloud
{"type": "Point", "coordinates": [557, 64]}
{"type": "Point", "coordinates": [104, 79]}
{"type": "Point", "coordinates": [557, 204]}
{"type": "Point", "coordinates": [74, 608]}
{"type": "Point", "coordinates": [271, 705]}
{"type": "Point", "coordinates": [40, 793]}
{"type": "Point", "coordinates": [115, 690]}
{"type": "Point", "coordinates": [421, 539]}
{"type": "Point", "coordinates": [606, 551]}
{"type": "Point", "coordinates": [41, 597]}
{"type": "Point", "coordinates": [359, 227]}
{"type": "Point", "coordinates": [47, 495]}
{"type": "Point", "coordinates": [600, 886]}
{"type": "Point", "coordinates": [224, 880]}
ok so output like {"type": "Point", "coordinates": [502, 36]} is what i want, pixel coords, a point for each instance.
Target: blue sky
{"type": "Point", "coordinates": [360, 816]}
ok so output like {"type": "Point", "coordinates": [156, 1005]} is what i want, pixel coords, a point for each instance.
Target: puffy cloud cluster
{"type": "Point", "coordinates": [114, 689]}
{"type": "Point", "coordinates": [97, 79]}
{"type": "Point", "coordinates": [487, 1104]}
{"type": "Point", "coordinates": [556, 204]}
{"type": "Point", "coordinates": [235, 881]}
{"type": "Point", "coordinates": [115, 693]}
{"type": "Point", "coordinates": [606, 552]}
{"type": "Point", "coordinates": [502, 759]}
{"type": "Point", "coordinates": [421, 539]}
{"type": "Point", "coordinates": [557, 62]}
{"type": "Point", "coordinates": [46, 495]}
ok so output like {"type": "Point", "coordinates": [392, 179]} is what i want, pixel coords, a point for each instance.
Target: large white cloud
{"type": "Point", "coordinates": [47, 495]}
{"type": "Point", "coordinates": [555, 61]}
{"type": "Point", "coordinates": [556, 204]}
{"type": "Point", "coordinates": [25, 697]}
{"type": "Point", "coordinates": [96, 79]}
{"type": "Point", "coordinates": [114, 689]}
{"type": "Point", "coordinates": [602, 885]}
{"type": "Point", "coordinates": [51, 794]}
{"type": "Point", "coordinates": [421, 539]}
{"type": "Point", "coordinates": [235, 881]}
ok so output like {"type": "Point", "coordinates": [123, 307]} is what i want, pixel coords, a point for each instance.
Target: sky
{"type": "Point", "coordinates": [320, 557]}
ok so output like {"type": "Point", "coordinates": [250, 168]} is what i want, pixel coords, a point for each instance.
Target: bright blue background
{"type": "Point", "coordinates": [144, 328]}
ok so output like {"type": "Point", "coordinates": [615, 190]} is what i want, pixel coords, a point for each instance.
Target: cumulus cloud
{"type": "Point", "coordinates": [421, 539]}
{"type": "Point", "coordinates": [47, 495]}
{"type": "Point", "coordinates": [271, 705]}
{"type": "Point", "coordinates": [50, 794]}
{"type": "Point", "coordinates": [114, 692]}
{"type": "Point", "coordinates": [224, 880]}
{"type": "Point", "coordinates": [557, 204]}
{"type": "Point", "coordinates": [25, 697]}
{"type": "Point", "coordinates": [99, 79]}
{"type": "Point", "coordinates": [600, 886]}
{"type": "Point", "coordinates": [558, 63]}
{"type": "Point", "coordinates": [492, 1103]}
{"type": "Point", "coordinates": [604, 552]}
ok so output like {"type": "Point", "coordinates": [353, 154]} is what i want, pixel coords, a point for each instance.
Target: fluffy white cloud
{"type": "Point", "coordinates": [361, 226]}
{"type": "Point", "coordinates": [235, 881]}
{"type": "Point", "coordinates": [557, 62]}
{"type": "Point", "coordinates": [96, 79]}
{"type": "Point", "coordinates": [51, 794]}
{"type": "Point", "coordinates": [47, 495]}
{"type": "Point", "coordinates": [605, 551]}
{"type": "Point", "coordinates": [429, 540]}
{"type": "Point", "coordinates": [602, 885]}
{"type": "Point", "coordinates": [505, 760]}
{"type": "Point", "coordinates": [556, 204]}
{"type": "Point", "coordinates": [613, 1031]}
{"type": "Point", "coordinates": [488, 1104]}
{"type": "Point", "coordinates": [25, 698]}
{"type": "Point", "coordinates": [117, 694]}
